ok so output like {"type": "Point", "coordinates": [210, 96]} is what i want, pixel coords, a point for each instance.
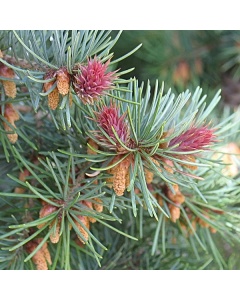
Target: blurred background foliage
{"type": "Point", "coordinates": [186, 59]}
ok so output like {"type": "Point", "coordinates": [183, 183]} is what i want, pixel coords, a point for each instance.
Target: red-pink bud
{"type": "Point", "coordinates": [93, 80]}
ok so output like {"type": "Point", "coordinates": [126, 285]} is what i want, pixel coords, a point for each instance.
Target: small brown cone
{"type": "Point", "coordinates": [46, 210]}
{"type": "Point", "coordinates": [11, 115]}
{"type": "Point", "coordinates": [119, 173]}
{"type": "Point", "coordinates": [127, 179]}
{"type": "Point", "coordinates": [98, 206]}
{"type": "Point", "coordinates": [63, 81]}
{"type": "Point", "coordinates": [45, 251]}
{"type": "Point", "coordinates": [13, 137]}
{"type": "Point", "coordinates": [42, 256]}
{"type": "Point", "coordinates": [1, 54]}
{"type": "Point", "coordinates": [53, 99]}
{"type": "Point", "coordinates": [175, 212]}
{"type": "Point", "coordinates": [55, 236]}
{"type": "Point", "coordinates": [178, 197]}
{"type": "Point", "coordinates": [85, 221]}
{"type": "Point", "coordinates": [90, 206]}
{"type": "Point", "coordinates": [148, 176]}
{"type": "Point", "coordinates": [9, 86]}
{"type": "Point", "coordinates": [119, 181]}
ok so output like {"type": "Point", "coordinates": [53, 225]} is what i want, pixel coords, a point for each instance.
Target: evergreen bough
{"type": "Point", "coordinates": [101, 172]}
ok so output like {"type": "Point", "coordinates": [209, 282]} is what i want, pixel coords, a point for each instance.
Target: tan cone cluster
{"type": "Point", "coordinates": [99, 205]}
{"type": "Point", "coordinates": [42, 257]}
{"type": "Point", "coordinates": [8, 85]}
{"type": "Point", "coordinates": [11, 115]}
{"type": "Point", "coordinates": [178, 198]}
{"type": "Point", "coordinates": [46, 210]}
{"type": "Point", "coordinates": [120, 175]}
{"type": "Point", "coordinates": [53, 99]}
{"type": "Point", "coordinates": [85, 221]}
{"type": "Point", "coordinates": [62, 77]}
{"type": "Point", "coordinates": [90, 206]}
{"type": "Point", "coordinates": [63, 81]}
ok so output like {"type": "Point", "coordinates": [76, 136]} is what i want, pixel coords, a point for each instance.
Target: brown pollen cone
{"type": "Point", "coordinates": [85, 221]}
{"type": "Point", "coordinates": [175, 212]}
{"type": "Point", "coordinates": [98, 206]}
{"type": "Point", "coordinates": [45, 250]}
{"type": "Point", "coordinates": [53, 99]}
{"type": "Point", "coordinates": [9, 86]}
{"type": "Point", "coordinates": [178, 198]}
{"type": "Point", "coordinates": [42, 256]}
{"type": "Point", "coordinates": [46, 210]}
{"type": "Point", "coordinates": [55, 235]}
{"type": "Point", "coordinates": [118, 181]}
{"type": "Point", "coordinates": [11, 116]}
{"type": "Point", "coordinates": [90, 206]}
{"type": "Point", "coordinates": [63, 81]}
